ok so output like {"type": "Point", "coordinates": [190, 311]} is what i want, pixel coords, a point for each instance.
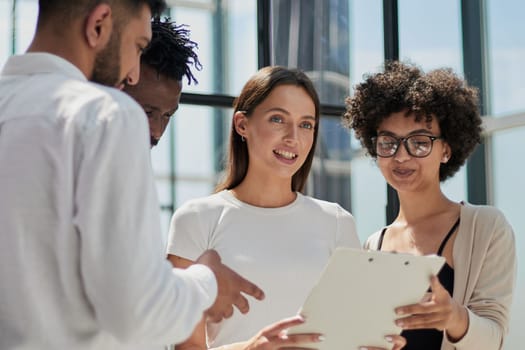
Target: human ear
{"type": "Point", "coordinates": [446, 153]}
{"type": "Point", "coordinates": [99, 26]}
{"type": "Point", "coordinates": [240, 121]}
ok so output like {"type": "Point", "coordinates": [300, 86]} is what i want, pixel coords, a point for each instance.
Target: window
{"type": "Point", "coordinates": [506, 50]}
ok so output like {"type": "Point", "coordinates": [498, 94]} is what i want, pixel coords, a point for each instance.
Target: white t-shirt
{"type": "Point", "coordinates": [282, 250]}
{"type": "Point", "coordinates": [82, 263]}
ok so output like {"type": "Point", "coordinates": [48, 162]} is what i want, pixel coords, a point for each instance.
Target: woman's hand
{"type": "Point", "coordinates": [440, 311]}
{"type": "Point", "coordinates": [275, 337]}
{"type": "Point", "coordinates": [398, 343]}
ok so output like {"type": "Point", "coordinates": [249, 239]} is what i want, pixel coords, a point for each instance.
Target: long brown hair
{"type": "Point", "coordinates": [253, 94]}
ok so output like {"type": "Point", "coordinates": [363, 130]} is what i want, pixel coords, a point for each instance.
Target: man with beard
{"type": "Point", "coordinates": [82, 264]}
{"type": "Point", "coordinates": [165, 63]}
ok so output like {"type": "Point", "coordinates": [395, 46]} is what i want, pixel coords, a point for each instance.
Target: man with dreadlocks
{"type": "Point", "coordinates": [166, 61]}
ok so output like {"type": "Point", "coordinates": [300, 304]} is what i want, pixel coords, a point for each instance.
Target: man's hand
{"type": "Point", "coordinates": [230, 286]}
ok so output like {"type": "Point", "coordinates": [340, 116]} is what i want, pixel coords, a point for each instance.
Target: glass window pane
{"type": "Point", "coordinates": [430, 33]}
{"type": "Point", "coordinates": [314, 36]}
{"type": "Point", "coordinates": [188, 159]}
{"type": "Point", "coordinates": [226, 32]}
{"type": "Point", "coordinates": [241, 48]}
{"type": "Point", "coordinates": [193, 141]}
{"type": "Point", "coordinates": [509, 192]}
{"type": "Point", "coordinates": [26, 16]}
{"type": "Point", "coordinates": [366, 38]}
{"type": "Point", "coordinates": [330, 177]}
{"type": "Point", "coordinates": [5, 29]}
{"type": "Point", "coordinates": [506, 52]}
{"type": "Point", "coordinates": [25, 24]}
{"type": "Point", "coordinates": [506, 55]}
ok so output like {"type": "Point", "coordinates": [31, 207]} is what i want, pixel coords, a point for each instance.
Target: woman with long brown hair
{"type": "Point", "coordinates": [258, 220]}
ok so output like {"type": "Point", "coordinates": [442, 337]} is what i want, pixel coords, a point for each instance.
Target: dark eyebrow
{"type": "Point", "coordinates": [284, 111]}
{"type": "Point", "coordinates": [309, 117]}
{"type": "Point", "coordinates": [151, 107]}
{"type": "Point", "coordinates": [277, 109]}
{"type": "Point", "coordinates": [414, 132]}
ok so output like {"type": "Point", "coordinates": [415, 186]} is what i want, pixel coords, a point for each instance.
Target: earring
{"type": "Point", "coordinates": [243, 139]}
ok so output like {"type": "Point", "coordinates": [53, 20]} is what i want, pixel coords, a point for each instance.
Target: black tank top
{"type": "Point", "coordinates": [429, 339]}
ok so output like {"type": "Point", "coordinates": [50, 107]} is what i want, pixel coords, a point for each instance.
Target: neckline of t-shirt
{"type": "Point", "coordinates": [228, 195]}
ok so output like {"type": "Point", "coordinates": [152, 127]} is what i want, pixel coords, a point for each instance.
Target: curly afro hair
{"type": "Point", "coordinates": [439, 94]}
{"type": "Point", "coordinates": [171, 52]}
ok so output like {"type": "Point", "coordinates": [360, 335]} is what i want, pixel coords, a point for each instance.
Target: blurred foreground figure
{"type": "Point", "coordinates": [82, 263]}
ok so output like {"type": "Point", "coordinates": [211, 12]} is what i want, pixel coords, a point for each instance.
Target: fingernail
{"type": "Point", "coordinates": [321, 338]}
{"type": "Point", "coordinates": [363, 348]}
{"type": "Point", "coordinates": [389, 339]}
{"type": "Point", "coordinates": [400, 323]}
{"type": "Point", "coordinates": [399, 312]}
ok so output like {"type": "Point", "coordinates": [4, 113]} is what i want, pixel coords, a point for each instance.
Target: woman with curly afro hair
{"type": "Point", "coordinates": [420, 128]}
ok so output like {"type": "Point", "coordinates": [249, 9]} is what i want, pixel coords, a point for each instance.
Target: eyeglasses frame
{"type": "Point", "coordinates": [404, 140]}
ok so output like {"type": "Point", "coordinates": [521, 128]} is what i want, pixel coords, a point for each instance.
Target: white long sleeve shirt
{"type": "Point", "coordinates": [81, 258]}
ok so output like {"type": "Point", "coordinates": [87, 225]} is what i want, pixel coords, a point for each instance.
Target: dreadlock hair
{"type": "Point", "coordinates": [171, 52]}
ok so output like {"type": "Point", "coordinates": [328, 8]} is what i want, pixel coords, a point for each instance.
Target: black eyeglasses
{"type": "Point", "coordinates": [418, 146]}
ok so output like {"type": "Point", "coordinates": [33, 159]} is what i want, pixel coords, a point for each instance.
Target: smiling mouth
{"type": "Point", "coordinates": [403, 172]}
{"type": "Point", "coordinates": [285, 154]}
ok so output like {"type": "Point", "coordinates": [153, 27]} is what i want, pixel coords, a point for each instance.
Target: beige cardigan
{"type": "Point", "coordinates": [484, 256]}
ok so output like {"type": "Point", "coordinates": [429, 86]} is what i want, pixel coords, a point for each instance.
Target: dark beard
{"type": "Point", "coordinates": [107, 63]}
{"type": "Point", "coordinates": [153, 141]}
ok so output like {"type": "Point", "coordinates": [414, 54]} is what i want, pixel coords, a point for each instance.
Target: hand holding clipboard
{"type": "Point", "coordinates": [354, 301]}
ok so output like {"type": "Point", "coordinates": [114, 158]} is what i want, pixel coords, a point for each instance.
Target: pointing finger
{"type": "Point", "coordinates": [250, 288]}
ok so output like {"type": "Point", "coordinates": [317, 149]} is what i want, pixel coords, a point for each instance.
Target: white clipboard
{"type": "Point", "coordinates": [353, 303]}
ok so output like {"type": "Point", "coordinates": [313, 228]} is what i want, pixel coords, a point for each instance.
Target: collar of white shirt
{"type": "Point", "coordinates": [41, 62]}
